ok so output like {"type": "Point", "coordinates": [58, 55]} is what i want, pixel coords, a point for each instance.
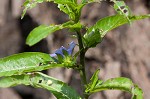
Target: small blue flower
{"type": "Point", "coordinates": [62, 50]}
{"type": "Point", "coordinates": [64, 56]}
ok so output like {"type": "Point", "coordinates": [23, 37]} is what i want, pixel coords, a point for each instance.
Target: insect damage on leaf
{"type": "Point", "coordinates": [49, 82]}
{"type": "Point", "coordinates": [40, 81]}
{"type": "Point", "coordinates": [46, 63]}
{"type": "Point", "coordinates": [121, 8]}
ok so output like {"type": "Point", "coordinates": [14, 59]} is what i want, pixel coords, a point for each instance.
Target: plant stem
{"type": "Point", "coordinates": [82, 63]}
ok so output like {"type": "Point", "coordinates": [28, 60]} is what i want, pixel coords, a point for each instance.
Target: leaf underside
{"type": "Point", "coordinates": [120, 83]}
{"type": "Point", "coordinates": [39, 80]}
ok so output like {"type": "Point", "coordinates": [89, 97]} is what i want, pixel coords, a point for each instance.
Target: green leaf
{"type": "Point", "coordinates": [84, 1]}
{"type": "Point", "coordinates": [39, 33]}
{"type": "Point", "coordinates": [43, 31]}
{"type": "Point", "coordinates": [94, 34]}
{"type": "Point", "coordinates": [137, 93]}
{"type": "Point", "coordinates": [91, 1]}
{"type": "Point", "coordinates": [120, 83]}
{"type": "Point", "coordinates": [94, 78]}
{"type": "Point", "coordinates": [72, 10]}
{"type": "Point", "coordinates": [29, 4]}
{"type": "Point", "coordinates": [64, 1]}
{"type": "Point", "coordinates": [122, 8]}
{"type": "Point", "coordinates": [70, 7]}
{"type": "Point", "coordinates": [94, 81]}
{"type": "Point", "coordinates": [92, 37]}
{"type": "Point", "coordinates": [26, 62]}
{"type": "Point", "coordinates": [60, 89]}
{"type": "Point", "coordinates": [119, 6]}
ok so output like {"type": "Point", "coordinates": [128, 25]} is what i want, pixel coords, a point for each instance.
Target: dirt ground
{"type": "Point", "coordinates": [124, 51]}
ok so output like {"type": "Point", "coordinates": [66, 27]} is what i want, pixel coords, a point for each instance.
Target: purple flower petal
{"type": "Point", "coordinates": [60, 52]}
{"type": "Point", "coordinates": [71, 47]}
{"type": "Point", "coordinates": [53, 55]}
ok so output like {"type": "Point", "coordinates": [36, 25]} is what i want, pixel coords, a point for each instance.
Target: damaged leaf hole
{"type": "Point", "coordinates": [46, 63]}
{"type": "Point", "coordinates": [122, 7]}
{"type": "Point", "coordinates": [40, 81]}
{"type": "Point", "coordinates": [125, 11]}
{"type": "Point", "coordinates": [49, 82]}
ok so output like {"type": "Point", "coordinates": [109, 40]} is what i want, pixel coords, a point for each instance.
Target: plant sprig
{"type": "Point", "coordinates": [24, 68]}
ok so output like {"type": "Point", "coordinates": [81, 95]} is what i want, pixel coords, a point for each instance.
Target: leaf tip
{"type": "Point", "coordinates": [29, 44]}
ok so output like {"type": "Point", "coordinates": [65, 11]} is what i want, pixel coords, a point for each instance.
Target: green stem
{"type": "Point", "coordinates": [82, 63]}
